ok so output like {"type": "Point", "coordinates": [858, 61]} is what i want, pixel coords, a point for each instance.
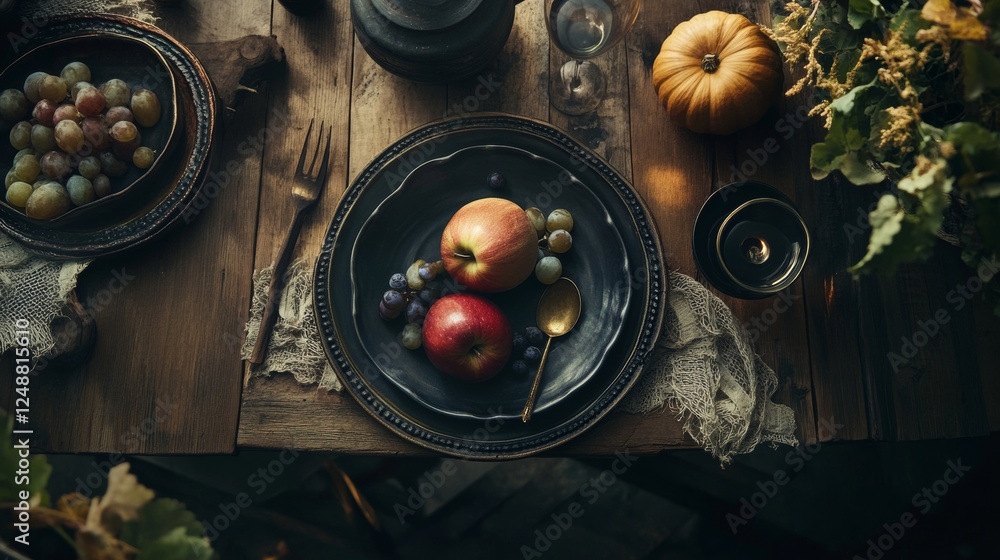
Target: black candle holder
{"type": "Point", "coordinates": [749, 240]}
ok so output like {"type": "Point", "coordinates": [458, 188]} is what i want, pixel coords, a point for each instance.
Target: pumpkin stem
{"type": "Point", "coordinates": [710, 63]}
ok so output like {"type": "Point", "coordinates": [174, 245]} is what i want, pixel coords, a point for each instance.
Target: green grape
{"type": "Point", "coordinates": [80, 189]}
{"type": "Point", "coordinates": [145, 107]}
{"type": "Point", "coordinates": [536, 218]}
{"type": "Point", "coordinates": [124, 131]}
{"type": "Point", "coordinates": [18, 193]}
{"type": "Point", "coordinates": [13, 105]}
{"type": "Point", "coordinates": [413, 278]}
{"type": "Point", "coordinates": [112, 166]}
{"type": "Point", "coordinates": [74, 73]}
{"type": "Point", "coordinates": [53, 88]}
{"type": "Point", "coordinates": [27, 169]}
{"type": "Point", "coordinates": [47, 201]}
{"type": "Point", "coordinates": [31, 84]}
{"type": "Point", "coordinates": [412, 336]}
{"type": "Point", "coordinates": [143, 157]}
{"type": "Point", "coordinates": [116, 93]}
{"type": "Point", "coordinates": [89, 167]}
{"type": "Point", "coordinates": [22, 153]}
{"type": "Point", "coordinates": [43, 139]}
{"type": "Point", "coordinates": [10, 179]}
{"type": "Point", "coordinates": [560, 241]}
{"type": "Point", "coordinates": [102, 185]}
{"type": "Point", "coordinates": [548, 270]}
{"type": "Point", "coordinates": [559, 219]}
{"type": "Point", "coordinates": [69, 137]}
{"type": "Point", "coordinates": [20, 135]}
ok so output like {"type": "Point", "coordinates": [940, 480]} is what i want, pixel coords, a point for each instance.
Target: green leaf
{"type": "Point", "coordinates": [824, 158]}
{"type": "Point", "coordinates": [982, 70]}
{"type": "Point", "coordinates": [158, 518]}
{"type": "Point", "coordinates": [38, 467]}
{"type": "Point", "coordinates": [898, 236]}
{"type": "Point", "coordinates": [177, 545]}
{"type": "Point", "coordinates": [908, 22]}
{"type": "Point", "coordinates": [977, 160]}
{"type": "Point", "coordinates": [863, 11]}
{"type": "Point", "coordinates": [858, 172]}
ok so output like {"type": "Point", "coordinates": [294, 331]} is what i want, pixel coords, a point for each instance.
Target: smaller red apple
{"type": "Point", "coordinates": [467, 336]}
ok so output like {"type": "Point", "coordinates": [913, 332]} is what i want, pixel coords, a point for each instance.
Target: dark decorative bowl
{"type": "Point", "coordinates": [173, 194]}
{"type": "Point", "coordinates": [108, 56]}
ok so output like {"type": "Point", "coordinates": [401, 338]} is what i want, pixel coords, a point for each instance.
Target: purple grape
{"type": "Point", "coordinates": [393, 300]}
{"type": "Point", "coordinates": [430, 295]}
{"type": "Point", "coordinates": [416, 310]}
{"type": "Point", "coordinates": [535, 337]}
{"type": "Point", "coordinates": [386, 313]}
{"type": "Point", "coordinates": [520, 367]}
{"type": "Point", "coordinates": [532, 354]}
{"type": "Point", "coordinates": [495, 180]}
{"type": "Point", "coordinates": [520, 343]}
{"type": "Point", "coordinates": [427, 272]}
{"type": "Point", "coordinates": [398, 281]}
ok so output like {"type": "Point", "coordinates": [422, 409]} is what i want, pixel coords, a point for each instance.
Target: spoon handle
{"type": "Point", "coordinates": [529, 406]}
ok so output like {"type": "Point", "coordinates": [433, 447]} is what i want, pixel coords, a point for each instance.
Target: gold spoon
{"type": "Point", "coordinates": [558, 311]}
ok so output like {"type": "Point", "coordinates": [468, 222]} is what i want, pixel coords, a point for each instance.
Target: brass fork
{"type": "Point", "coordinates": [307, 185]}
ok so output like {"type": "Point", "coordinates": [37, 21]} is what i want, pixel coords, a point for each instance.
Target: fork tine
{"type": "Point", "coordinates": [319, 144]}
{"type": "Point", "coordinates": [299, 169]}
{"type": "Point", "coordinates": [324, 168]}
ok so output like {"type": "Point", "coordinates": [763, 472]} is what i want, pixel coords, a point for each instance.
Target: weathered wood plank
{"type": "Point", "coordinates": [161, 379]}
{"type": "Point", "coordinates": [607, 130]}
{"type": "Point", "coordinates": [517, 81]}
{"type": "Point", "coordinates": [768, 152]}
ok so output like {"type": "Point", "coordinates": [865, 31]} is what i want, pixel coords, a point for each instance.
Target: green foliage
{"type": "Point", "coordinates": [157, 521]}
{"type": "Point", "coordinates": [863, 11]}
{"type": "Point", "coordinates": [913, 93]}
{"type": "Point", "coordinates": [126, 522]}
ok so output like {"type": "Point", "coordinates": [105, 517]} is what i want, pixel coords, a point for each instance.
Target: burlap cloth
{"type": "Point", "coordinates": [704, 367]}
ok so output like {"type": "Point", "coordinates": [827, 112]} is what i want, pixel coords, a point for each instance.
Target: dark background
{"type": "Point", "coordinates": [837, 501]}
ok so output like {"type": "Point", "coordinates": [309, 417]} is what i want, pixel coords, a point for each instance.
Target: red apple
{"type": "Point", "coordinates": [467, 337]}
{"type": "Point", "coordinates": [489, 245]}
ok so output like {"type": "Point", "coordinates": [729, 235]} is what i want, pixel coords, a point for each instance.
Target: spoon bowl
{"type": "Point", "coordinates": [558, 311]}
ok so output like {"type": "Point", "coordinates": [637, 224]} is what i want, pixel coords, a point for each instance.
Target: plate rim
{"type": "Point", "coordinates": [655, 289]}
{"type": "Point", "coordinates": [598, 363]}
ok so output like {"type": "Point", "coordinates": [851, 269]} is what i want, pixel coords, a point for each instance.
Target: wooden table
{"type": "Point", "coordinates": [166, 375]}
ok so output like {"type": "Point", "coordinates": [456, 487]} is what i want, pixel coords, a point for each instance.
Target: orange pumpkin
{"type": "Point", "coordinates": [717, 73]}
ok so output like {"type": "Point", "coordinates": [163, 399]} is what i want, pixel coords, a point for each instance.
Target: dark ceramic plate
{"type": "Point", "coordinates": [418, 211]}
{"type": "Point", "coordinates": [364, 375]}
{"type": "Point", "coordinates": [170, 196]}
{"type": "Point", "coordinates": [706, 228]}
{"type": "Point", "coordinates": [108, 56]}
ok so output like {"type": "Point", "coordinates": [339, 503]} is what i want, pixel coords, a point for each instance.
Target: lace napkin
{"type": "Point", "coordinates": [704, 367]}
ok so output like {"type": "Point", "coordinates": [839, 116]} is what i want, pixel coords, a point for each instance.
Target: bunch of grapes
{"type": "Point", "coordinates": [411, 294]}
{"type": "Point", "coordinates": [554, 238]}
{"type": "Point", "coordinates": [71, 137]}
{"type": "Point", "coordinates": [527, 350]}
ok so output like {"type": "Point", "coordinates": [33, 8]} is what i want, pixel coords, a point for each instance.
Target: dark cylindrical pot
{"type": "Point", "coordinates": [433, 40]}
